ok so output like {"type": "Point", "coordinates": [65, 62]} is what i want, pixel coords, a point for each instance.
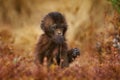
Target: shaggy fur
{"type": "Point", "coordinates": [53, 45]}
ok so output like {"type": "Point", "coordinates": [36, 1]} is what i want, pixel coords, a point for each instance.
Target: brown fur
{"type": "Point", "coordinates": [52, 46]}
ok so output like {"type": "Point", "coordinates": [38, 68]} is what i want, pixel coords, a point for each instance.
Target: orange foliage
{"type": "Point", "coordinates": [102, 65]}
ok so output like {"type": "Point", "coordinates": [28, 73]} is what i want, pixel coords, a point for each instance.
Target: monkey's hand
{"type": "Point", "coordinates": [75, 52]}
{"type": "Point", "coordinates": [72, 54]}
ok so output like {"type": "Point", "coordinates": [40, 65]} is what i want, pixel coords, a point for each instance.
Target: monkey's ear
{"type": "Point", "coordinates": [42, 25]}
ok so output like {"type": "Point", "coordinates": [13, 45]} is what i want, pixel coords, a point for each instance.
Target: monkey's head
{"type": "Point", "coordinates": [54, 25]}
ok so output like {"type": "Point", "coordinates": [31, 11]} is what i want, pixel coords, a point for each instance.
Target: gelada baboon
{"type": "Point", "coordinates": [52, 44]}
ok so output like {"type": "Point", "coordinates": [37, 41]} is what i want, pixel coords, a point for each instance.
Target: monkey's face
{"type": "Point", "coordinates": [54, 25]}
{"type": "Point", "coordinates": [57, 32]}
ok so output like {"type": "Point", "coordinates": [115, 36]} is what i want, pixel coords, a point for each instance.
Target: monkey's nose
{"type": "Point", "coordinates": [59, 33]}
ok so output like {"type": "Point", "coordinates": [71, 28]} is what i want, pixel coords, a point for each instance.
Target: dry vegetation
{"type": "Point", "coordinates": [94, 27]}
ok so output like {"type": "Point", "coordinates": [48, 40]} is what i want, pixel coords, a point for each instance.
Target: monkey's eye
{"type": "Point", "coordinates": [63, 27]}
{"type": "Point", "coordinates": [53, 27]}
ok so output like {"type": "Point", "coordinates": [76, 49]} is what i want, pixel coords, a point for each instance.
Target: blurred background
{"type": "Point", "coordinates": [20, 20]}
{"type": "Point", "coordinates": [93, 27]}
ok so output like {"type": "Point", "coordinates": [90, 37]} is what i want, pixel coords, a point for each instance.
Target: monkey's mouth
{"type": "Point", "coordinates": [58, 39]}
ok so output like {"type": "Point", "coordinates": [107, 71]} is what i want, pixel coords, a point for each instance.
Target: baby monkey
{"type": "Point", "coordinates": [52, 43]}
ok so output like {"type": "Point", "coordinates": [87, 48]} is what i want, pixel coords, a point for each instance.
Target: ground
{"type": "Point", "coordinates": [93, 28]}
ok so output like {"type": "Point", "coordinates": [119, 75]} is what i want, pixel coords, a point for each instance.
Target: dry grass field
{"type": "Point", "coordinates": [94, 27]}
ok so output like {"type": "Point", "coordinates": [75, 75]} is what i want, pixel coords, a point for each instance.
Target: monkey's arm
{"type": "Point", "coordinates": [41, 47]}
{"type": "Point", "coordinates": [72, 54]}
{"type": "Point", "coordinates": [64, 57]}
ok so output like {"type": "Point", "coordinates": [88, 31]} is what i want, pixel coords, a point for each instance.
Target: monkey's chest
{"type": "Point", "coordinates": [53, 51]}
